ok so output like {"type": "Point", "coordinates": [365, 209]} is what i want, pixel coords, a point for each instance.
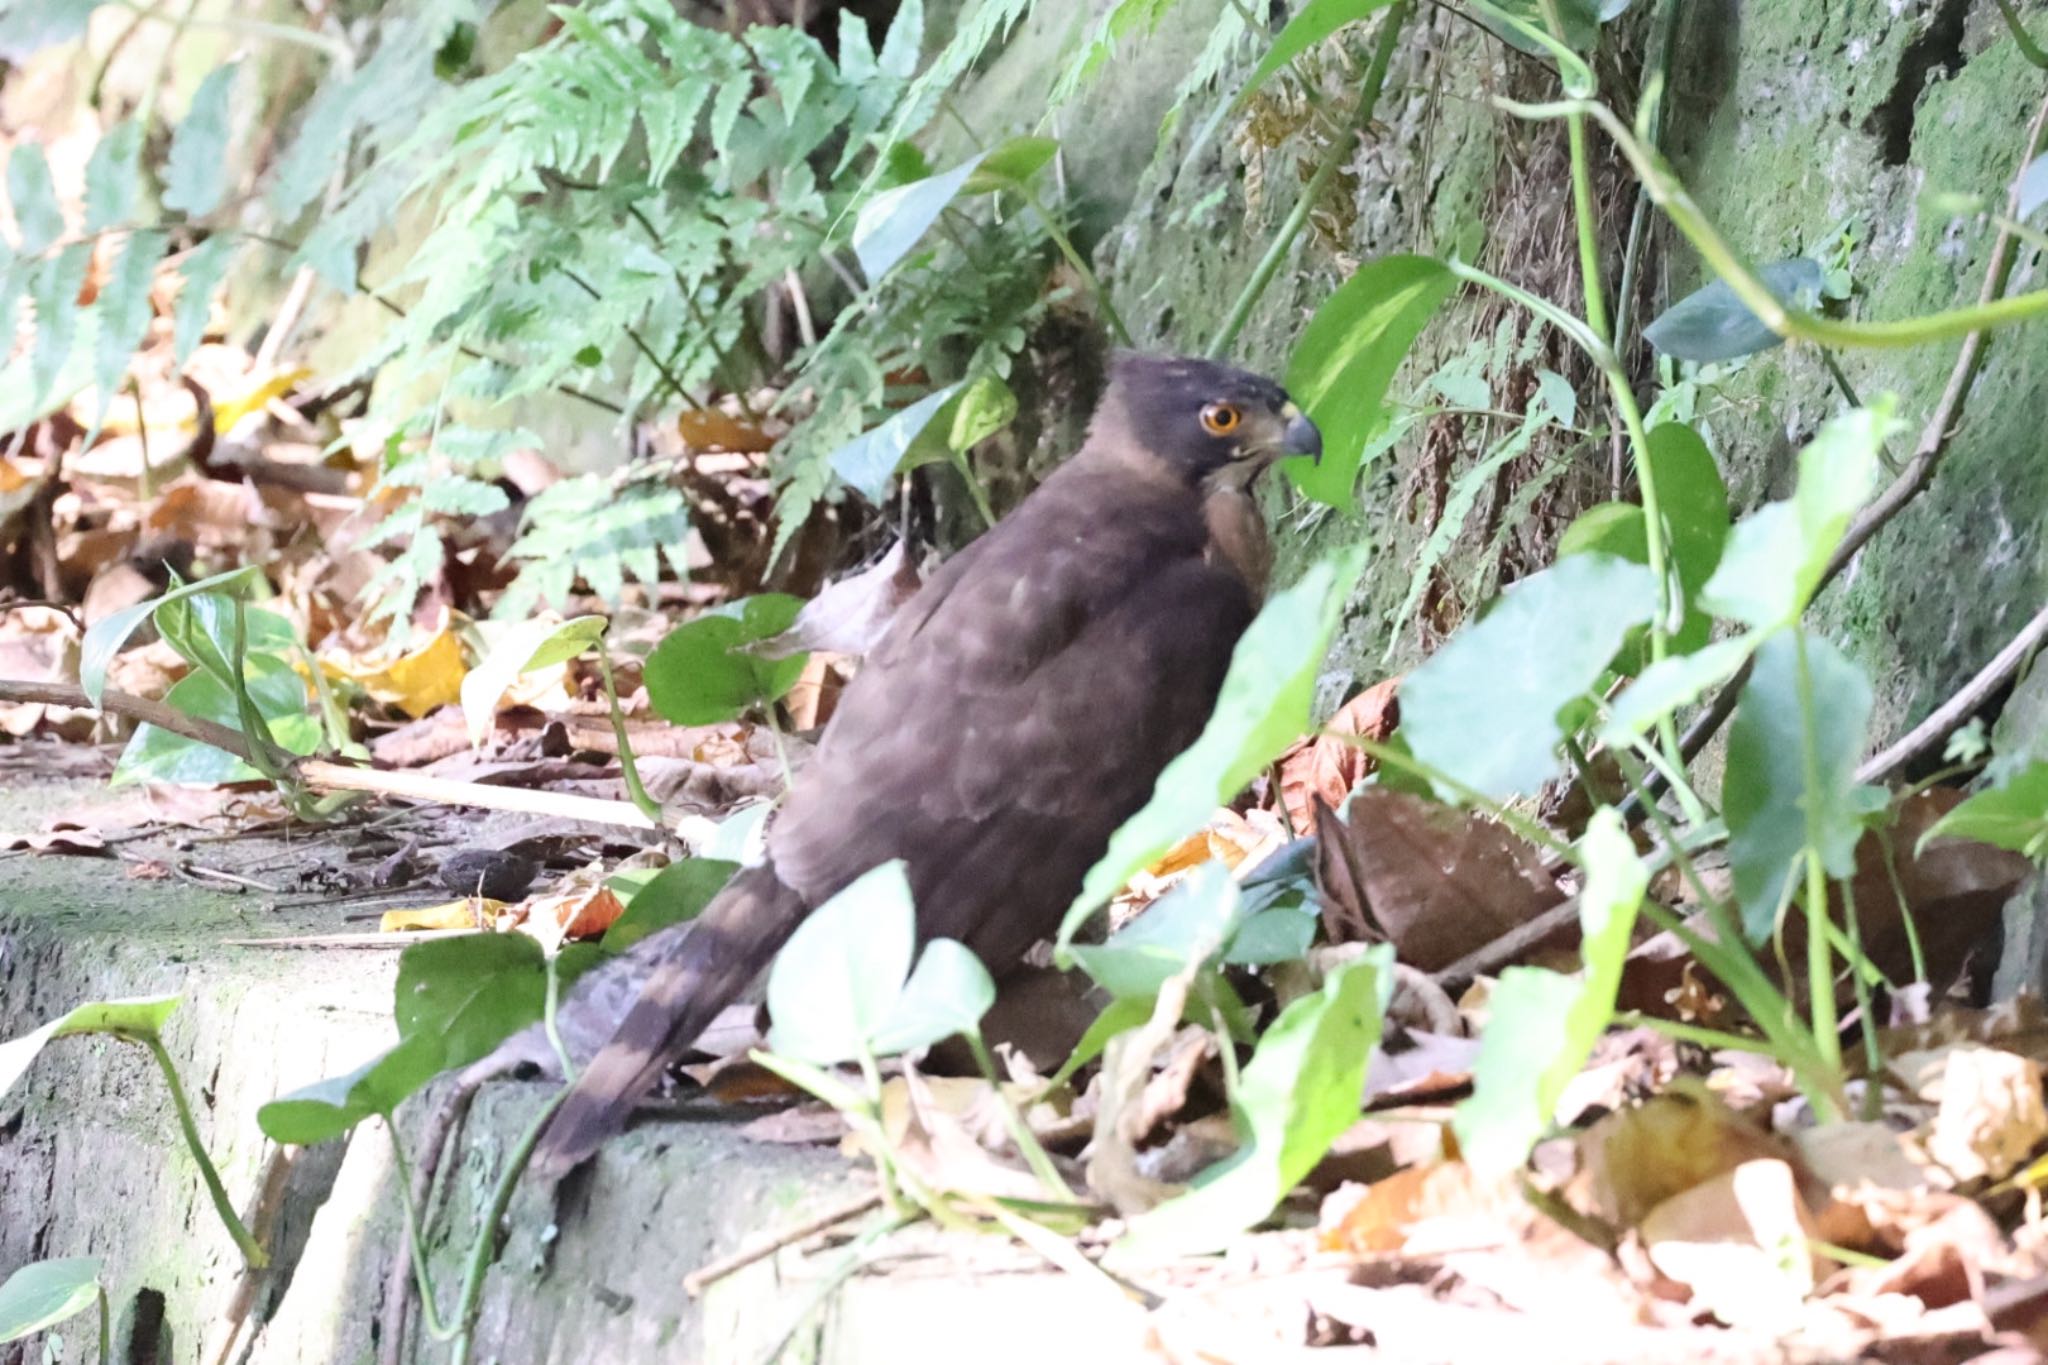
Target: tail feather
{"type": "Point", "coordinates": [738, 934]}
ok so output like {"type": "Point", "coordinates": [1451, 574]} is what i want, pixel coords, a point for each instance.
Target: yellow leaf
{"type": "Point", "coordinates": [471, 912]}
{"type": "Point", "coordinates": [416, 682]}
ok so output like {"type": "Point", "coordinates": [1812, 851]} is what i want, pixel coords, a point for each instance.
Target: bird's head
{"type": "Point", "coordinates": [1208, 423]}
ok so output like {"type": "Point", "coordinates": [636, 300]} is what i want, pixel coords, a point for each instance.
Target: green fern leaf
{"type": "Point", "coordinates": [33, 196]}
{"type": "Point", "coordinates": [463, 498]}
{"type": "Point", "coordinates": [319, 147]}
{"type": "Point", "coordinates": [195, 173]}
{"type": "Point", "coordinates": [584, 528]}
{"type": "Point", "coordinates": [113, 177]}
{"type": "Point", "coordinates": [123, 308]}
{"type": "Point", "coordinates": [54, 289]}
{"type": "Point", "coordinates": [201, 273]}
{"type": "Point", "coordinates": [14, 274]}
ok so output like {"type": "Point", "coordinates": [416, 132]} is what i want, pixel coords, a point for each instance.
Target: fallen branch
{"type": "Point", "coordinates": [710, 1273]}
{"type": "Point", "coordinates": [1964, 704]}
{"type": "Point", "coordinates": [326, 775]}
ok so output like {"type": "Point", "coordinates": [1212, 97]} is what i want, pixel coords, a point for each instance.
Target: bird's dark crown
{"type": "Point", "coordinates": [1197, 416]}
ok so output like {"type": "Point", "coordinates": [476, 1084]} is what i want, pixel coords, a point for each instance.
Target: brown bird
{"type": "Point", "coordinates": [1019, 708]}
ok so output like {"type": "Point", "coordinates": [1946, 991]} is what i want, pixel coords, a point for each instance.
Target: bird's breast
{"type": "Point", "coordinates": [1237, 538]}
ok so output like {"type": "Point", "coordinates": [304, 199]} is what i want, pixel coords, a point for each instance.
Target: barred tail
{"type": "Point", "coordinates": [738, 934]}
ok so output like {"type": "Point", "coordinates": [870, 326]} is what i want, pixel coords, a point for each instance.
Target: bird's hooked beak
{"type": "Point", "coordinates": [1302, 437]}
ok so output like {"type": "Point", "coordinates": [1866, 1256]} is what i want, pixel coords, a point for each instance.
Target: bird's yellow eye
{"type": "Point", "coordinates": [1220, 419]}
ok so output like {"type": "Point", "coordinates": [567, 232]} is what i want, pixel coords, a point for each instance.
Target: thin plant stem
{"type": "Point", "coordinates": [550, 1024]}
{"type": "Point", "coordinates": [1819, 957]}
{"type": "Point", "coordinates": [106, 1356]}
{"type": "Point", "coordinates": [1651, 100]}
{"type": "Point", "coordinates": [1334, 156]}
{"type": "Point", "coordinates": [629, 770]}
{"type": "Point", "coordinates": [1027, 1143]}
{"type": "Point", "coordinates": [2029, 49]}
{"type": "Point", "coordinates": [1873, 1046]}
{"type": "Point", "coordinates": [249, 28]}
{"type": "Point", "coordinates": [422, 1274]}
{"type": "Point", "coordinates": [1058, 232]}
{"type": "Point", "coordinates": [1573, 329]}
{"type": "Point", "coordinates": [484, 1252]}
{"type": "Point", "coordinates": [251, 1251]}
{"type": "Point", "coordinates": [1793, 324]}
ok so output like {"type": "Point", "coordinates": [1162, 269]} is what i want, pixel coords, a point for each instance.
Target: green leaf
{"type": "Point", "coordinates": [200, 273]}
{"type": "Point", "coordinates": [1346, 359]}
{"type": "Point", "coordinates": [835, 983]}
{"type": "Point", "coordinates": [527, 646]}
{"type": "Point", "coordinates": [328, 1108]}
{"type": "Point", "coordinates": [891, 223]}
{"type": "Point", "coordinates": [123, 307]}
{"type": "Point", "coordinates": [196, 171]}
{"type": "Point", "coordinates": [32, 196]}
{"type": "Point", "coordinates": [137, 1019]}
{"type": "Point", "coordinates": [29, 26]}
{"type": "Point", "coordinates": [1674, 682]}
{"type": "Point", "coordinates": [1607, 528]}
{"type": "Point", "coordinates": [1713, 324]}
{"type": "Point", "coordinates": [279, 693]}
{"type": "Point", "coordinates": [1011, 163]}
{"type": "Point", "coordinates": [1765, 796]}
{"type": "Point", "coordinates": [1299, 1092]}
{"type": "Point", "coordinates": [461, 997]}
{"type": "Point", "coordinates": [1311, 24]}
{"type": "Point", "coordinates": [1192, 921]}
{"type": "Point", "coordinates": [54, 286]}
{"type": "Point", "coordinates": [1483, 709]}
{"type": "Point", "coordinates": [870, 460]}
{"type": "Point", "coordinates": [677, 894]}
{"type": "Point", "coordinates": [1776, 555]}
{"type": "Point", "coordinates": [113, 177]}
{"type": "Point", "coordinates": [700, 673]}
{"type": "Point", "coordinates": [1264, 706]}
{"type": "Point", "coordinates": [948, 993]}
{"type": "Point", "coordinates": [44, 1293]}
{"type": "Point", "coordinates": [2013, 816]}
{"type": "Point", "coordinates": [1542, 1026]}
{"type": "Point", "coordinates": [1580, 20]}
{"type": "Point", "coordinates": [1118, 1016]}
{"type": "Point", "coordinates": [986, 406]}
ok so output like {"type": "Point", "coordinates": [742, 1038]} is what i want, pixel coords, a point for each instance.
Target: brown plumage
{"type": "Point", "coordinates": [1018, 710]}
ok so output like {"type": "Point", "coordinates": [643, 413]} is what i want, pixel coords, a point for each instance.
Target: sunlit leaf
{"type": "Point", "coordinates": [136, 1020]}
{"type": "Point", "coordinates": [1765, 795]}
{"type": "Point", "coordinates": [1011, 162]}
{"type": "Point", "coordinates": [676, 894]}
{"type": "Point", "coordinates": [891, 223]}
{"type": "Point", "coordinates": [154, 754]}
{"type": "Point", "coordinates": [837, 980]}
{"type": "Point", "coordinates": [530, 645]}
{"type": "Point", "coordinates": [1299, 1092]}
{"type": "Point", "coordinates": [947, 994]}
{"type": "Point", "coordinates": [1193, 920]}
{"type": "Point", "coordinates": [2013, 816]}
{"type": "Point", "coordinates": [1542, 1026]}
{"type": "Point", "coordinates": [463, 996]}
{"type": "Point", "coordinates": [1483, 709]}
{"type": "Point", "coordinates": [44, 1293]}
{"type": "Point", "coordinates": [32, 198]}
{"type": "Point", "coordinates": [1776, 555]}
{"type": "Point", "coordinates": [196, 171]}
{"type": "Point", "coordinates": [123, 307]}
{"type": "Point", "coordinates": [1711, 323]}
{"type": "Point", "coordinates": [103, 640]}
{"type": "Point", "coordinates": [700, 675]}
{"type": "Point", "coordinates": [1346, 358]}
{"type": "Point", "coordinates": [113, 177]}
{"type": "Point", "coordinates": [1264, 706]}
{"type": "Point", "coordinates": [1311, 23]}
{"type": "Point", "coordinates": [328, 1108]}
{"type": "Point", "coordinates": [986, 406]}
{"type": "Point", "coordinates": [870, 460]}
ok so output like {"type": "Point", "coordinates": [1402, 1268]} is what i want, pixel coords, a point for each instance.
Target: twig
{"type": "Point", "coordinates": [711, 1272]}
{"type": "Point", "coordinates": [192, 869]}
{"type": "Point", "coordinates": [1927, 452]}
{"type": "Point", "coordinates": [1959, 708]}
{"type": "Point", "coordinates": [326, 775]}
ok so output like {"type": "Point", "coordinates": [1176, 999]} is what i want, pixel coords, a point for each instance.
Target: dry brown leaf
{"type": "Point", "coordinates": [710, 429]}
{"type": "Point", "coordinates": [1443, 1205]}
{"type": "Point", "coordinates": [1638, 1158]}
{"type": "Point", "coordinates": [849, 617]}
{"type": "Point", "coordinates": [1988, 1114]}
{"type": "Point", "coordinates": [580, 913]}
{"type": "Point", "coordinates": [1439, 882]}
{"type": "Point", "coordinates": [62, 840]}
{"type": "Point", "coordinates": [1325, 768]}
{"type": "Point", "coordinates": [1741, 1241]}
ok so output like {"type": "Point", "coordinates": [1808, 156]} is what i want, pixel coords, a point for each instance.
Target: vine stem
{"type": "Point", "coordinates": [628, 768]}
{"type": "Point", "coordinates": [251, 1251]}
{"type": "Point", "coordinates": [1058, 232]}
{"type": "Point", "coordinates": [1334, 158]}
{"type": "Point", "coordinates": [1820, 976]}
{"type": "Point", "coordinates": [485, 1249]}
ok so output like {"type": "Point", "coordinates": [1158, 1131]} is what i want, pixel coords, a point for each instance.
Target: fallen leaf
{"type": "Point", "coordinates": [1741, 1241]}
{"type": "Point", "coordinates": [1454, 1204]}
{"type": "Point", "coordinates": [416, 681]}
{"type": "Point", "coordinates": [1438, 881]}
{"type": "Point", "coordinates": [851, 616]}
{"type": "Point", "coordinates": [469, 913]}
{"type": "Point", "coordinates": [1989, 1115]}
{"type": "Point", "coordinates": [585, 912]}
{"type": "Point", "coordinates": [710, 429]}
{"type": "Point", "coordinates": [1324, 767]}
{"type": "Point", "coordinates": [67, 840]}
{"type": "Point", "coordinates": [1639, 1158]}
